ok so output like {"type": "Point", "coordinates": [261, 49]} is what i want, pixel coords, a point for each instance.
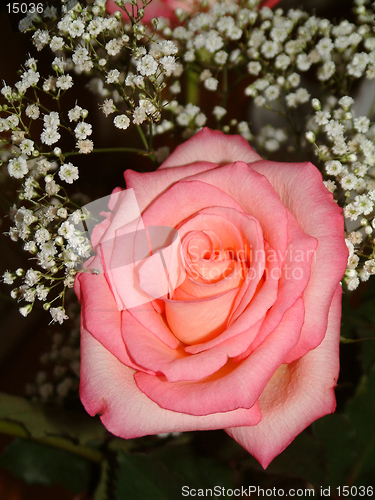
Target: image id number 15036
{"type": "Point", "coordinates": [24, 8]}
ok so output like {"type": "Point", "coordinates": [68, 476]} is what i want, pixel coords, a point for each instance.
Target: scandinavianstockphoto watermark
{"type": "Point", "coordinates": [259, 492]}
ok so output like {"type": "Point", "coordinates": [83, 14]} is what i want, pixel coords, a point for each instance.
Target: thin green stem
{"type": "Point", "coordinates": [143, 137]}
{"type": "Point", "coordinates": [110, 150]}
{"type": "Point", "coordinates": [192, 87]}
{"type": "Point", "coordinates": [17, 430]}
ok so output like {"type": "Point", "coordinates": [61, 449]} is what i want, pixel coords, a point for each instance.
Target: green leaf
{"type": "Point", "coordinates": [143, 477]}
{"type": "Point", "coordinates": [304, 458]}
{"type": "Point", "coordinates": [37, 463]}
{"type": "Point", "coordinates": [338, 436]}
{"type": "Point", "coordinates": [40, 421]}
{"type": "Point", "coordinates": [101, 492]}
{"type": "Point", "coordinates": [350, 439]}
{"type": "Point", "coordinates": [361, 414]}
{"type": "Point", "coordinates": [199, 471]}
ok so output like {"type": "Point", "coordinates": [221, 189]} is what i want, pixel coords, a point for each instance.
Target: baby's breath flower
{"type": "Point", "coordinates": [113, 76]}
{"type": "Point", "coordinates": [68, 173]}
{"type": "Point", "coordinates": [27, 146]}
{"type": "Point", "coordinates": [219, 112]}
{"type": "Point", "coordinates": [64, 82]}
{"type": "Point", "coordinates": [32, 111]}
{"type": "Point", "coordinates": [83, 130]}
{"type": "Point", "coordinates": [211, 83]}
{"type": "Point", "coordinates": [121, 122]}
{"type": "Point", "coordinates": [254, 68]}
{"type": "Point", "coordinates": [57, 43]}
{"type": "Point", "coordinates": [17, 167]}
{"type": "Point", "coordinates": [147, 65]}
{"type": "Point", "coordinates": [362, 124]}
{"type": "Point", "coordinates": [85, 146]}
{"type": "Point", "coordinates": [58, 314]}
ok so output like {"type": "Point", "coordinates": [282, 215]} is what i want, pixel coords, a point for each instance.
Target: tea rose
{"type": "Point", "coordinates": [167, 8]}
{"type": "Point", "coordinates": [237, 326]}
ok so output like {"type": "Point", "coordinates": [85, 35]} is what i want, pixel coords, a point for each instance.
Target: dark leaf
{"type": "Point", "coordinates": [37, 463]}
{"type": "Point", "coordinates": [142, 477]}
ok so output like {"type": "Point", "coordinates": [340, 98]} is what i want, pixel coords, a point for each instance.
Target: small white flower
{"type": "Point", "coordinates": [108, 107]}
{"type": "Point", "coordinates": [32, 111]}
{"type": "Point", "coordinates": [27, 147]}
{"type": "Point", "coordinates": [52, 188]}
{"type": "Point", "coordinates": [272, 92]}
{"type": "Point", "coordinates": [68, 173]}
{"type": "Point", "coordinates": [8, 278]}
{"type": "Point", "coordinates": [49, 136]}
{"type": "Point", "coordinates": [76, 28]}
{"type": "Point", "coordinates": [17, 167]}
{"type": "Point", "coordinates": [58, 314]}
{"type": "Point", "coordinates": [221, 57]}
{"type": "Point", "coordinates": [254, 68]}
{"type": "Point", "coordinates": [113, 76]}
{"type": "Point", "coordinates": [211, 83]}
{"type": "Point", "coordinates": [362, 124]}
{"type": "Point", "coordinates": [270, 49]}
{"type": "Point", "coordinates": [74, 114]}
{"type": "Point", "coordinates": [57, 43]}
{"type": "Point", "coordinates": [169, 64]}
{"type": "Point", "coordinates": [85, 146]}
{"type": "Point", "coordinates": [66, 230]}
{"type": "Point", "coordinates": [121, 122]}
{"type": "Point", "coordinates": [51, 120]}
{"type": "Point", "coordinates": [219, 112]}
{"type": "Point", "coordinates": [333, 167]}
{"type": "Point", "coordinates": [64, 82]}
{"type": "Point", "coordinates": [83, 130]}
{"type": "Point", "coordinates": [200, 119]}
{"type": "Point", "coordinates": [147, 66]}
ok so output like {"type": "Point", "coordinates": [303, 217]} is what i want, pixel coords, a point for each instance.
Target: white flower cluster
{"type": "Point", "coordinates": [345, 145]}
{"type": "Point", "coordinates": [44, 222]}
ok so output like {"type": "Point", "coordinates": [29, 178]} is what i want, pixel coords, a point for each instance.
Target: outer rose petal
{"type": "Point", "coordinates": [213, 146]}
{"type": "Point", "coordinates": [108, 388]}
{"type": "Point", "coordinates": [149, 185]}
{"type": "Point", "coordinates": [304, 194]}
{"type": "Point", "coordinates": [296, 395]}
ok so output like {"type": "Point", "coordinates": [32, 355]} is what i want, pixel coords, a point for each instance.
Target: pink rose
{"type": "Point", "coordinates": [246, 338]}
{"type": "Point", "coordinates": [167, 8]}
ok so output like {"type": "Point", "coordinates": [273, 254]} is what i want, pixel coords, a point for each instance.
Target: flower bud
{"type": "Point", "coordinates": [310, 136]}
{"type": "Point", "coordinates": [315, 103]}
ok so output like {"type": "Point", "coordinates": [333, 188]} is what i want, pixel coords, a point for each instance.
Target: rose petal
{"type": "Point", "coordinates": [213, 146]}
{"type": "Point", "coordinates": [296, 395]}
{"type": "Point", "coordinates": [302, 191]}
{"type": "Point", "coordinates": [238, 180]}
{"type": "Point", "coordinates": [186, 198]}
{"type": "Point", "coordinates": [100, 315]}
{"type": "Point", "coordinates": [152, 355]}
{"type": "Point", "coordinates": [199, 320]}
{"type": "Point", "coordinates": [234, 386]}
{"type": "Point", "coordinates": [108, 388]}
{"type": "Point", "coordinates": [149, 185]}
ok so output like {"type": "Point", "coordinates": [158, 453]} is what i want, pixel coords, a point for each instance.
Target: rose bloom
{"type": "Point", "coordinates": [245, 334]}
{"type": "Point", "coordinates": [167, 8]}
